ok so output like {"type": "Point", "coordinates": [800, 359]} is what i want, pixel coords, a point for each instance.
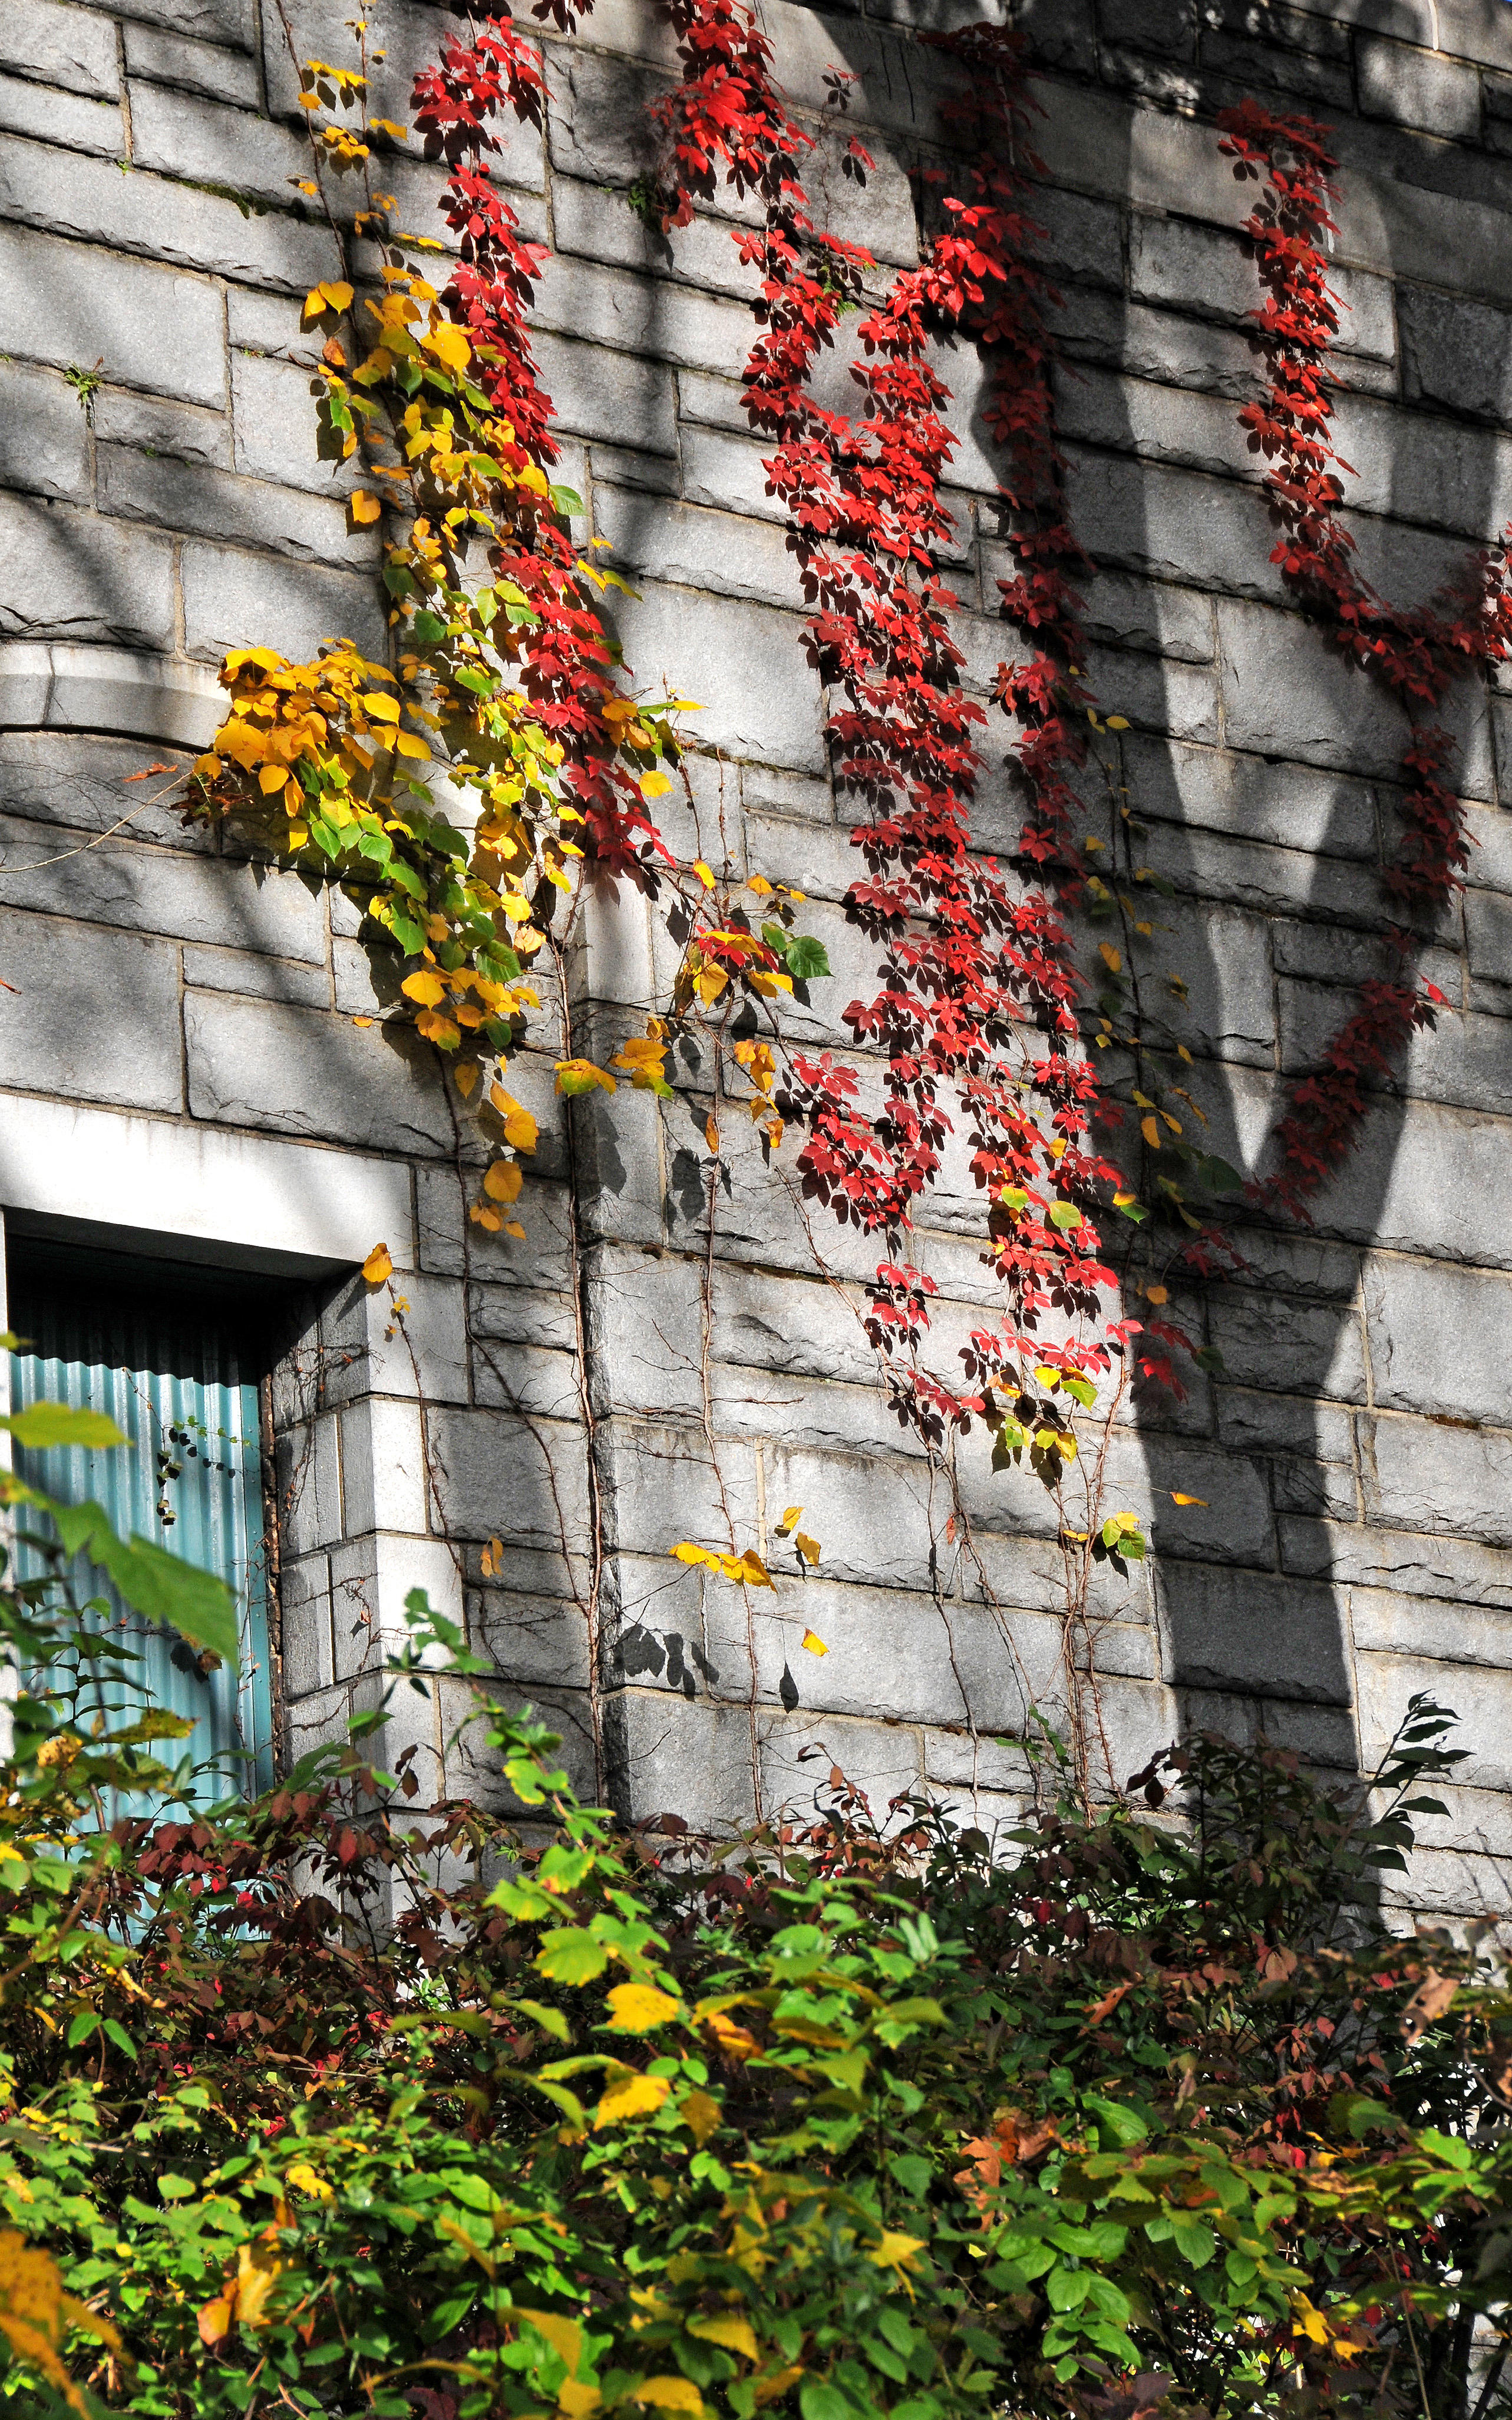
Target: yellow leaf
{"type": "Point", "coordinates": [520, 1128]}
{"type": "Point", "coordinates": [700, 2113]}
{"type": "Point", "coordinates": [512, 1227]}
{"type": "Point", "coordinates": [669, 2395]}
{"type": "Point", "coordinates": [1112, 958]}
{"type": "Point", "coordinates": [725, 2328]}
{"type": "Point", "coordinates": [450, 345]}
{"type": "Point", "coordinates": [405, 744]}
{"type": "Point", "coordinates": [807, 1546]}
{"type": "Point", "coordinates": [304, 2180]}
{"type": "Point", "coordinates": [465, 1078]}
{"type": "Point", "coordinates": [689, 1553]}
{"type": "Point", "coordinates": [709, 983]}
{"type": "Point", "coordinates": [776, 2383]}
{"type": "Point", "coordinates": [366, 507]}
{"type": "Point", "coordinates": [630, 2095]}
{"type": "Point", "coordinates": [815, 1644]}
{"type": "Point", "coordinates": [503, 1180]}
{"type": "Point", "coordinates": [1151, 1132]}
{"type": "Point", "coordinates": [790, 1519]}
{"type": "Point", "coordinates": [576, 2399]}
{"type": "Point", "coordinates": [565, 2337]}
{"type": "Point", "coordinates": [639, 2006]}
{"type": "Point", "coordinates": [754, 1571]}
{"type": "Point", "coordinates": [1124, 1200]}
{"type": "Point", "coordinates": [896, 2251]}
{"type": "Point", "coordinates": [338, 292]}
{"type": "Point", "coordinates": [1189, 1499]}
{"type": "Point", "coordinates": [482, 1216]}
{"type": "Point", "coordinates": [423, 985]}
{"type": "Point", "coordinates": [258, 2271]}
{"type": "Point", "coordinates": [272, 778]}
{"type": "Point", "coordinates": [711, 1134]}
{"type": "Point", "coordinates": [704, 872]}
{"type": "Point", "coordinates": [432, 1027]}
{"type": "Point", "coordinates": [1156, 1293]}
{"type": "Point", "coordinates": [654, 783]}
{"type": "Point", "coordinates": [36, 2308]}
{"type": "Point", "coordinates": [378, 1265]}
{"type": "Point", "coordinates": [1118, 722]}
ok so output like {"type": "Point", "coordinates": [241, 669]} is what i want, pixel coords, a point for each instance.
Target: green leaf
{"type": "Point", "coordinates": [805, 958]}
{"type": "Point", "coordinates": [41, 1425]}
{"type": "Point", "coordinates": [570, 1955]}
{"type": "Point", "coordinates": [818, 2400]}
{"type": "Point", "coordinates": [162, 1586]}
{"type": "Point", "coordinates": [1064, 1215]}
{"type": "Point", "coordinates": [550, 2021]}
{"type": "Point", "coordinates": [428, 628]}
{"type": "Point", "coordinates": [913, 2173]}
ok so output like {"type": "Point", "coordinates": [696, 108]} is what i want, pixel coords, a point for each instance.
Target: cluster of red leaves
{"type": "Point", "coordinates": [974, 962]}
{"type": "Point", "coordinates": [1418, 655]}
{"type": "Point", "coordinates": [567, 658]}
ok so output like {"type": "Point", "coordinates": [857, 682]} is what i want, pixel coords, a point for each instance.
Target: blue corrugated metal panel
{"type": "Point", "coordinates": [190, 1479]}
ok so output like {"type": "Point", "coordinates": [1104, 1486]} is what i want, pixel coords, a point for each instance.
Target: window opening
{"type": "Point", "coordinates": [174, 1355]}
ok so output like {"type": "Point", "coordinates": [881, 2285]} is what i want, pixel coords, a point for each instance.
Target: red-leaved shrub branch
{"type": "Point", "coordinates": [1418, 653]}
{"type": "Point", "coordinates": [977, 1012]}
{"type": "Point", "coordinates": [977, 1019]}
{"type": "Point", "coordinates": [566, 659]}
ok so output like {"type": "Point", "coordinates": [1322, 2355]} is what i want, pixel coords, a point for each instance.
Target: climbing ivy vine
{"type": "Point", "coordinates": [1070, 1098]}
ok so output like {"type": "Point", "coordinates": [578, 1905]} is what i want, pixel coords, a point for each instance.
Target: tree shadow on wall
{"type": "Point", "coordinates": [1264, 772]}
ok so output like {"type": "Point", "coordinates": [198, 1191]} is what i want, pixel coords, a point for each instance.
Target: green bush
{"type": "Point", "coordinates": [310, 2113]}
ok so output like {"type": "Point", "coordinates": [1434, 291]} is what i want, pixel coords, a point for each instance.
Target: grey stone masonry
{"type": "Point", "coordinates": [673, 1350]}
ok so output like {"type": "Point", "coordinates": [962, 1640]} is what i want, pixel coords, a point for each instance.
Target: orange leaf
{"type": "Point", "coordinates": [214, 2321]}
{"type": "Point", "coordinates": [1189, 1499]}
{"type": "Point", "coordinates": [711, 1134]}
{"type": "Point", "coordinates": [378, 1265]}
{"type": "Point", "coordinates": [366, 507]}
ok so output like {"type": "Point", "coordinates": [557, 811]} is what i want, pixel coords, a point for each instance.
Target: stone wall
{"type": "Point", "coordinates": [179, 1056]}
